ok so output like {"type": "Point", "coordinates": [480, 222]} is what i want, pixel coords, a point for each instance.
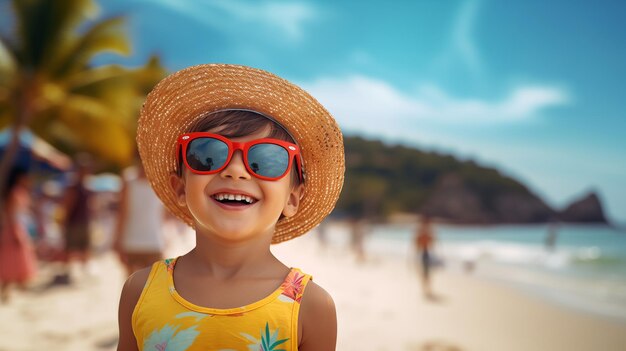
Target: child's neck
{"type": "Point", "coordinates": [229, 260]}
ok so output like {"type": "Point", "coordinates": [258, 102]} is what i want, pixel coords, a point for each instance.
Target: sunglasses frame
{"type": "Point", "coordinates": [292, 149]}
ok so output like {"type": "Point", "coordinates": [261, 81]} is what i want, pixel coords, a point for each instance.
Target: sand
{"type": "Point", "coordinates": [379, 307]}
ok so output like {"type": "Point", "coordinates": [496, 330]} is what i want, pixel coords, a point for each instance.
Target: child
{"type": "Point", "coordinates": [248, 160]}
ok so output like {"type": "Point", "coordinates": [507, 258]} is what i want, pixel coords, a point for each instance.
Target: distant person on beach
{"type": "Point", "coordinates": [424, 241]}
{"type": "Point", "coordinates": [50, 243]}
{"type": "Point", "coordinates": [247, 159]}
{"type": "Point", "coordinates": [358, 232]}
{"type": "Point", "coordinates": [322, 235]}
{"type": "Point", "coordinates": [139, 238]}
{"type": "Point", "coordinates": [551, 236]}
{"type": "Point", "coordinates": [18, 261]}
{"type": "Point", "coordinates": [77, 217]}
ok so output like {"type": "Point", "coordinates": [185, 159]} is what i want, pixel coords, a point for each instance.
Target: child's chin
{"type": "Point", "coordinates": [235, 233]}
{"type": "Point", "coordinates": [236, 230]}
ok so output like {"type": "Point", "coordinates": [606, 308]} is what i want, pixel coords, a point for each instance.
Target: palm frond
{"type": "Point", "coordinates": [8, 65]}
{"type": "Point", "coordinates": [43, 24]}
{"type": "Point", "coordinates": [94, 128]}
{"type": "Point", "coordinates": [105, 36]}
{"type": "Point", "coordinates": [46, 77]}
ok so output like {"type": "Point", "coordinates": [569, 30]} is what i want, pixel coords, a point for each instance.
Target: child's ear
{"type": "Point", "coordinates": [178, 185]}
{"type": "Point", "coordinates": [291, 207]}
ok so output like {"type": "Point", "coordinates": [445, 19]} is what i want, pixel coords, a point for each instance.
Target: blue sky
{"type": "Point", "coordinates": [535, 88]}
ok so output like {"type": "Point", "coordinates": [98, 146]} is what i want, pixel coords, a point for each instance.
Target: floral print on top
{"type": "Point", "coordinates": [292, 286]}
{"type": "Point", "coordinates": [164, 321]}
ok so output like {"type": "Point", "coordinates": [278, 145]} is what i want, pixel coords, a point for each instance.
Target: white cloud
{"type": "Point", "coordinates": [462, 36]}
{"type": "Point", "coordinates": [526, 101]}
{"type": "Point", "coordinates": [369, 105]}
{"type": "Point", "coordinates": [358, 98]}
{"type": "Point", "coordinates": [521, 103]}
{"type": "Point", "coordinates": [281, 19]}
{"type": "Point", "coordinates": [460, 49]}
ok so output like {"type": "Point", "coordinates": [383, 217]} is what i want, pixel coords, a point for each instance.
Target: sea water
{"type": "Point", "coordinates": [584, 269]}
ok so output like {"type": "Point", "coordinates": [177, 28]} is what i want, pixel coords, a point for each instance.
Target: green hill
{"type": "Point", "coordinates": [383, 179]}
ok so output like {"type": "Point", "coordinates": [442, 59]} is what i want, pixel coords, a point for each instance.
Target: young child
{"type": "Point", "coordinates": [248, 160]}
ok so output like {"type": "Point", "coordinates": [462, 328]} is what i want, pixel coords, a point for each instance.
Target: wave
{"type": "Point", "coordinates": [600, 261]}
{"type": "Point", "coordinates": [532, 255]}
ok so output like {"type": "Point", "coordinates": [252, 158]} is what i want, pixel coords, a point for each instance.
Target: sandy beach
{"type": "Point", "coordinates": [379, 307]}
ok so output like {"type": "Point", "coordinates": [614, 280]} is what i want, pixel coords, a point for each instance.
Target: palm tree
{"type": "Point", "coordinates": [47, 81]}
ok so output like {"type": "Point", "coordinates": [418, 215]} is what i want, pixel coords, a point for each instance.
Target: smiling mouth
{"type": "Point", "coordinates": [233, 199]}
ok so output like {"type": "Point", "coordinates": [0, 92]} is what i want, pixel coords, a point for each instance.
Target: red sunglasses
{"type": "Point", "coordinates": [266, 159]}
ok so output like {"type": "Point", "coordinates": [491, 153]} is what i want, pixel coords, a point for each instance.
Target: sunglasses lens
{"type": "Point", "coordinates": [206, 154]}
{"type": "Point", "coordinates": [268, 160]}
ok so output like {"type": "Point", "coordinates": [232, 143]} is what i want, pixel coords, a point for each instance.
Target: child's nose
{"type": "Point", "coordinates": [235, 169]}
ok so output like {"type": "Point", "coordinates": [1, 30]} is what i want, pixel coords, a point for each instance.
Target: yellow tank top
{"type": "Point", "coordinates": [164, 321]}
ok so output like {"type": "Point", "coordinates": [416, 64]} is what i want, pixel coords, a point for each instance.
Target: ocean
{"type": "Point", "coordinates": [585, 269]}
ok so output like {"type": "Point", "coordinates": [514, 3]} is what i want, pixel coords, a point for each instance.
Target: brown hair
{"type": "Point", "coordinates": [238, 123]}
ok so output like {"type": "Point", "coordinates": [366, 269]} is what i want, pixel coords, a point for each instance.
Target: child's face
{"type": "Point", "coordinates": [205, 197]}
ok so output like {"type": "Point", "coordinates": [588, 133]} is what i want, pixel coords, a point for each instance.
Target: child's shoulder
{"type": "Point", "coordinates": [131, 292]}
{"type": "Point", "coordinates": [318, 318]}
{"type": "Point", "coordinates": [134, 285]}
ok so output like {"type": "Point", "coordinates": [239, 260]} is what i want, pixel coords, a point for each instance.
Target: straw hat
{"type": "Point", "coordinates": [181, 99]}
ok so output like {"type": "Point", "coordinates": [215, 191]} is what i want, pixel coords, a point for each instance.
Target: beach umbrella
{"type": "Point", "coordinates": [34, 154]}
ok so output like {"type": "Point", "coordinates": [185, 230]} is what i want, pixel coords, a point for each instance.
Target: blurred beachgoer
{"type": "Point", "coordinates": [322, 235]}
{"type": "Point", "coordinates": [18, 262]}
{"type": "Point", "coordinates": [76, 203]}
{"type": "Point", "coordinates": [551, 236]}
{"type": "Point", "coordinates": [139, 236]}
{"type": "Point", "coordinates": [358, 232]}
{"type": "Point", "coordinates": [50, 243]}
{"type": "Point", "coordinates": [469, 265]}
{"type": "Point", "coordinates": [49, 216]}
{"type": "Point", "coordinates": [424, 241]}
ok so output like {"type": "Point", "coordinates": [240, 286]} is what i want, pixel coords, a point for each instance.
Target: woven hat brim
{"type": "Point", "coordinates": [179, 100]}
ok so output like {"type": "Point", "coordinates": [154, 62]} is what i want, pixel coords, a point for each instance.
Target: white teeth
{"type": "Point", "coordinates": [233, 197]}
